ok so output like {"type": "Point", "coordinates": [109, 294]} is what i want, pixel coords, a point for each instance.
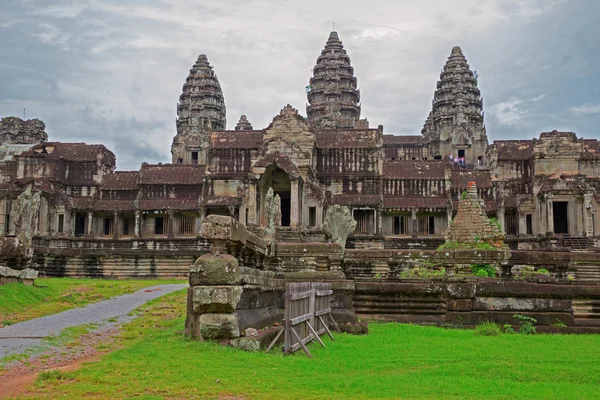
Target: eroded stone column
{"type": "Point", "coordinates": [170, 229]}
{"type": "Point", "coordinates": [588, 223]}
{"type": "Point", "coordinates": [501, 219]}
{"type": "Point", "coordinates": [90, 219]}
{"type": "Point", "coordinates": [549, 214]}
{"type": "Point", "coordinates": [414, 228]}
{"type": "Point", "coordinates": [138, 218]}
{"type": "Point", "coordinates": [251, 204]}
{"type": "Point", "coordinates": [294, 204]}
{"type": "Point", "coordinates": [115, 225]}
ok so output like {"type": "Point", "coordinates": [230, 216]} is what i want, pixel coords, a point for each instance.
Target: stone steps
{"type": "Point", "coordinates": [577, 242]}
{"type": "Point", "coordinates": [588, 273]}
{"type": "Point", "coordinates": [376, 304]}
{"type": "Point", "coordinates": [586, 312]}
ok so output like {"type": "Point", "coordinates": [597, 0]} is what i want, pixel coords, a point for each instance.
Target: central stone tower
{"type": "Point", "coordinates": [455, 124]}
{"type": "Point", "coordinates": [333, 99]}
{"type": "Point", "coordinates": [201, 108]}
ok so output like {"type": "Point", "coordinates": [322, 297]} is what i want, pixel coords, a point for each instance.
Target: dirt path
{"type": "Point", "coordinates": [18, 377]}
{"type": "Point", "coordinates": [17, 381]}
{"type": "Point", "coordinates": [24, 336]}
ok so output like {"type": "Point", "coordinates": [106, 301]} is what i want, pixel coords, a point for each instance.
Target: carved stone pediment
{"type": "Point", "coordinates": [461, 135]}
{"type": "Point", "coordinates": [289, 134]}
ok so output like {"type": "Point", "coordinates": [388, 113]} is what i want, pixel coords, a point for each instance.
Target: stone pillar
{"type": "Point", "coordinates": [379, 227]}
{"type": "Point", "coordinates": [549, 214]}
{"type": "Point", "coordinates": [522, 223]}
{"type": "Point", "coordinates": [588, 223]}
{"type": "Point", "coordinates": [501, 218]}
{"type": "Point", "coordinates": [251, 204]}
{"type": "Point", "coordinates": [4, 213]}
{"type": "Point", "coordinates": [449, 215]}
{"type": "Point", "coordinates": [138, 220]}
{"type": "Point", "coordinates": [69, 226]}
{"type": "Point", "coordinates": [414, 228]}
{"type": "Point", "coordinates": [115, 225]}
{"type": "Point", "coordinates": [90, 220]}
{"type": "Point", "coordinates": [294, 220]}
{"type": "Point", "coordinates": [170, 229]}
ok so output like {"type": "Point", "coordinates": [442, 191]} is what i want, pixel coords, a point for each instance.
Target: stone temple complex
{"type": "Point", "coordinates": [402, 191]}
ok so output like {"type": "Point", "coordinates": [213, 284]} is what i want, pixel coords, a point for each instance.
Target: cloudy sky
{"type": "Point", "coordinates": [111, 71]}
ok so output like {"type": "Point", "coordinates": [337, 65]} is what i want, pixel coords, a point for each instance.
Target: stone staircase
{"type": "Point", "coordinates": [400, 308]}
{"type": "Point", "coordinates": [577, 242]}
{"type": "Point", "coordinates": [290, 235]}
{"type": "Point", "coordinates": [586, 312]}
{"type": "Point", "coordinates": [588, 273]}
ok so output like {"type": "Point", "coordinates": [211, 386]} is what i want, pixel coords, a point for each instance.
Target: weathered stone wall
{"type": "Point", "coordinates": [57, 264]}
{"type": "Point", "coordinates": [469, 303]}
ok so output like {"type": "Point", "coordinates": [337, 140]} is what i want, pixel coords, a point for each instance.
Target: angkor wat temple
{"type": "Point", "coordinates": [401, 190]}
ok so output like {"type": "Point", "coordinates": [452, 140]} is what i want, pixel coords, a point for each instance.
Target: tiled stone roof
{"type": "Point", "coordinates": [171, 174]}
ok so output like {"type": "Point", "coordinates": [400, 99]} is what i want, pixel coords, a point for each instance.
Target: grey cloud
{"type": "Point", "coordinates": [111, 71]}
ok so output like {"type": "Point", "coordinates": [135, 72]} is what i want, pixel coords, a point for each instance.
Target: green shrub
{"type": "Point", "coordinates": [483, 270]}
{"type": "Point", "coordinates": [507, 328]}
{"type": "Point", "coordinates": [543, 271]}
{"type": "Point", "coordinates": [487, 329]}
{"type": "Point", "coordinates": [526, 326]}
{"type": "Point", "coordinates": [423, 272]}
{"type": "Point", "coordinates": [495, 222]}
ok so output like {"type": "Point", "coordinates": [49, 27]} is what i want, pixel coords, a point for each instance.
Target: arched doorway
{"type": "Point", "coordinates": [279, 180]}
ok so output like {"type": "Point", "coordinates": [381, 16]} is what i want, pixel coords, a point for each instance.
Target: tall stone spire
{"type": "Point", "coordinates": [457, 98]}
{"type": "Point", "coordinates": [201, 107]}
{"type": "Point", "coordinates": [243, 124]}
{"type": "Point", "coordinates": [333, 100]}
{"type": "Point", "coordinates": [201, 104]}
{"type": "Point", "coordinates": [456, 118]}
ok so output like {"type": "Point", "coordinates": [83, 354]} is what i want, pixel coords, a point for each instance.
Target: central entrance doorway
{"type": "Point", "coordinates": [286, 203]}
{"type": "Point", "coordinates": [561, 216]}
{"type": "Point", "coordinates": [279, 180]}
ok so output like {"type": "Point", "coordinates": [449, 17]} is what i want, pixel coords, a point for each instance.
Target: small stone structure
{"type": "Point", "coordinates": [9, 275]}
{"type": "Point", "coordinates": [471, 224]}
{"type": "Point", "coordinates": [226, 300]}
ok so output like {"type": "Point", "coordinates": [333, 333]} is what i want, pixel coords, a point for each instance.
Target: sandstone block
{"type": "Point", "coordinates": [250, 332]}
{"type": "Point", "coordinates": [460, 305]}
{"type": "Point", "coordinates": [28, 273]}
{"type": "Point", "coordinates": [216, 227]}
{"type": "Point", "coordinates": [461, 290]}
{"type": "Point", "coordinates": [246, 343]}
{"type": "Point", "coordinates": [216, 299]}
{"type": "Point", "coordinates": [215, 269]}
{"type": "Point", "coordinates": [8, 272]}
{"type": "Point", "coordinates": [219, 326]}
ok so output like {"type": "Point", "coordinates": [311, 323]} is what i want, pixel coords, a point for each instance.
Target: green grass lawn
{"type": "Point", "coordinates": [156, 361]}
{"type": "Point", "coordinates": [52, 295]}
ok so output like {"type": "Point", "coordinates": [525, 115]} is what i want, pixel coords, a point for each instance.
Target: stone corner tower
{"type": "Point", "coordinates": [455, 125]}
{"type": "Point", "coordinates": [333, 99]}
{"type": "Point", "coordinates": [201, 107]}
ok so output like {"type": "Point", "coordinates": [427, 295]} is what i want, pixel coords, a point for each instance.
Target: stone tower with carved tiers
{"type": "Point", "coordinates": [455, 125]}
{"type": "Point", "coordinates": [333, 99]}
{"type": "Point", "coordinates": [201, 108]}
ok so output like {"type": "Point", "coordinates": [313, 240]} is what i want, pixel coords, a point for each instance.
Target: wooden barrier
{"type": "Point", "coordinates": [307, 308]}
